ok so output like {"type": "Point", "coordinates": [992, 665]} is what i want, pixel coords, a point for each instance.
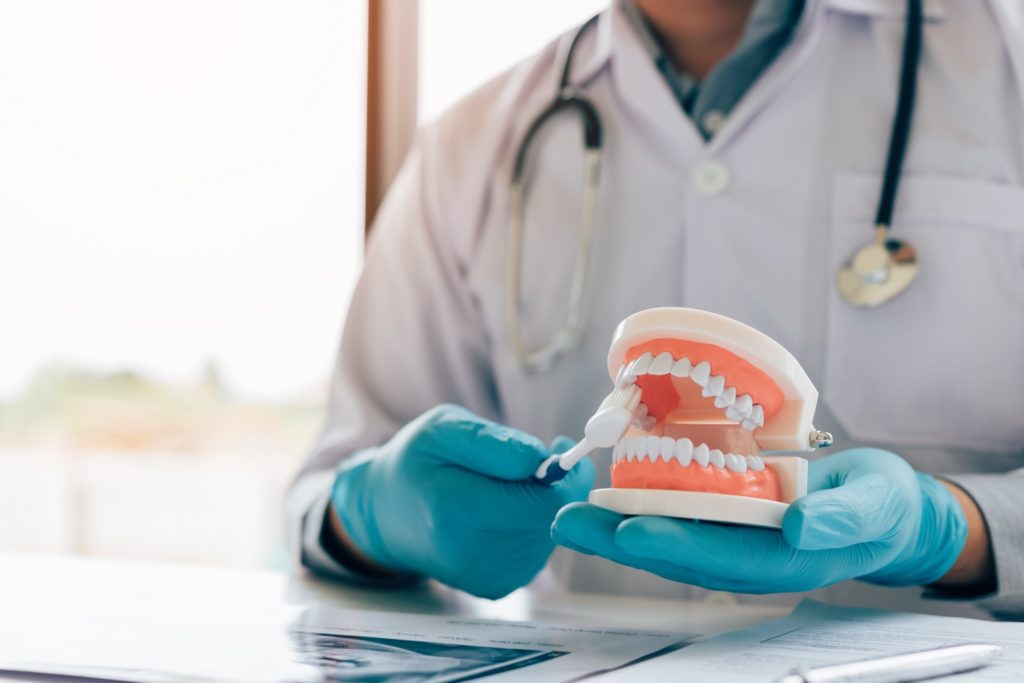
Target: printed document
{"type": "Point", "coordinates": [815, 634]}
{"type": "Point", "coordinates": [326, 644]}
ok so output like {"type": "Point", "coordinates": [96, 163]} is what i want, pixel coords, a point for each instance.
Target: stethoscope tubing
{"type": "Point", "coordinates": [569, 98]}
{"type": "Point", "coordinates": [901, 122]}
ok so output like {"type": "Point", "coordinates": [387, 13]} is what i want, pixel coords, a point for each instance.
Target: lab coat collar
{"type": "Point", "coordinates": [590, 62]}
{"type": "Point", "coordinates": [934, 10]}
{"type": "Point", "coordinates": [616, 48]}
{"type": "Point", "coordinates": [615, 42]}
{"type": "Point", "coordinates": [644, 91]}
{"type": "Point", "coordinates": [648, 97]}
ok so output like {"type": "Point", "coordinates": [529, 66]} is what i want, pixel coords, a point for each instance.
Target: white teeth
{"type": "Point", "coordinates": [738, 408]}
{"type": "Point", "coordinates": [744, 404]}
{"type": "Point", "coordinates": [726, 398]}
{"type": "Point", "coordinates": [639, 448]}
{"type": "Point", "coordinates": [736, 463]}
{"type": "Point", "coordinates": [701, 455]}
{"type": "Point", "coordinates": [714, 386]}
{"type": "Point", "coordinates": [682, 368]}
{"type": "Point", "coordinates": [631, 373]}
{"type": "Point", "coordinates": [757, 415]}
{"type": "Point", "coordinates": [701, 374]}
{"type": "Point", "coordinates": [653, 447]}
{"type": "Point", "coordinates": [662, 364]}
{"type": "Point", "coordinates": [684, 451]}
{"type": "Point", "coordinates": [717, 458]}
{"type": "Point", "coordinates": [641, 365]}
{"type": "Point", "coordinates": [741, 409]}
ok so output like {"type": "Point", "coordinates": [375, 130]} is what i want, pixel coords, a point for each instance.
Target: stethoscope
{"type": "Point", "coordinates": [876, 274]}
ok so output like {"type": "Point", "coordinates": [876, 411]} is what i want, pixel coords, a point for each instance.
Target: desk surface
{"type": "Point", "coordinates": [41, 592]}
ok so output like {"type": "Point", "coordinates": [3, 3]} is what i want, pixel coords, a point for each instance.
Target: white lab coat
{"type": "Point", "coordinates": [936, 375]}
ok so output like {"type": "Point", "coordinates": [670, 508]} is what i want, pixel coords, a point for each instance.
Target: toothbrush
{"type": "Point", "coordinates": [603, 430]}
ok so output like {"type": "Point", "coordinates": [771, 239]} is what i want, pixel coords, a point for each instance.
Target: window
{"type": "Point", "coordinates": [181, 200]}
{"type": "Point", "coordinates": [463, 43]}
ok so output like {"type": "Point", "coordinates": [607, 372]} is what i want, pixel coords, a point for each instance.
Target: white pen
{"type": "Point", "coordinates": [911, 666]}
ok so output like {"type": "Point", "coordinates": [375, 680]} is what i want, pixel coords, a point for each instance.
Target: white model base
{"type": "Point", "coordinates": [709, 507]}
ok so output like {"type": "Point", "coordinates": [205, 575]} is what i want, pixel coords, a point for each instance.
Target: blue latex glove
{"type": "Point", "coordinates": [450, 497]}
{"type": "Point", "coordinates": [868, 515]}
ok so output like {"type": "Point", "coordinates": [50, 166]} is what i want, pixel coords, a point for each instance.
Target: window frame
{"type": "Point", "coordinates": [392, 62]}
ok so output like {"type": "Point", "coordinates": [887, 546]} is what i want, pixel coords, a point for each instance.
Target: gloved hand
{"type": "Point", "coordinates": [450, 496]}
{"type": "Point", "coordinates": [868, 515]}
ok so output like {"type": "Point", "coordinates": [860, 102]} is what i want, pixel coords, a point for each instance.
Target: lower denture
{"type": "Point", "coordinates": [671, 475]}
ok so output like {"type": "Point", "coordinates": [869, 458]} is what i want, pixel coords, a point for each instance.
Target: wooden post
{"type": "Point", "coordinates": [391, 93]}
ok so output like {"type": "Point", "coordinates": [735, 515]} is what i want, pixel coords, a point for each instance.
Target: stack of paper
{"type": "Point", "coordinates": [323, 644]}
{"type": "Point", "coordinates": [816, 635]}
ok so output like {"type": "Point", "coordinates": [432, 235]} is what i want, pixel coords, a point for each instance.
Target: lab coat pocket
{"type": "Point", "coordinates": [942, 365]}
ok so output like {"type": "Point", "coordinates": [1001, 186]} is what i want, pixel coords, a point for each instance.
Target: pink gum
{"type": "Point", "coordinates": [659, 474]}
{"type": "Point", "coordinates": [739, 373]}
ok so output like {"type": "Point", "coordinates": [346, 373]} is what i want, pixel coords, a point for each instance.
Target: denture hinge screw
{"type": "Point", "coordinates": [821, 439]}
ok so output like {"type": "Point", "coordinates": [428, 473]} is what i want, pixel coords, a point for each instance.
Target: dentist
{"type": "Point", "coordinates": [743, 148]}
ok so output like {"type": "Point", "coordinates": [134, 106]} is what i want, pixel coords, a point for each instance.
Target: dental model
{"type": "Point", "coordinates": [698, 401]}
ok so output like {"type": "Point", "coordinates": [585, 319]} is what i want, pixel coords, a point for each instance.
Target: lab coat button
{"type": "Point", "coordinates": [712, 121]}
{"type": "Point", "coordinates": [711, 177]}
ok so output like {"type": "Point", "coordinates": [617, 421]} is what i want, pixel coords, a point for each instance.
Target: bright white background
{"type": "Point", "coordinates": [465, 42]}
{"type": "Point", "coordinates": [180, 181]}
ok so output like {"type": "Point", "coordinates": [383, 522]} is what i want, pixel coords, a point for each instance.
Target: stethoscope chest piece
{"type": "Point", "coordinates": [878, 272]}
{"type": "Point", "coordinates": [883, 269]}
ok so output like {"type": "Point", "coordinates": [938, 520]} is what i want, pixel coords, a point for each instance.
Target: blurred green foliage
{"type": "Point", "coordinates": [69, 408]}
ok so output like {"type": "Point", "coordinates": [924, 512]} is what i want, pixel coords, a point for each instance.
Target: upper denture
{"type": "Point", "coordinates": [711, 367]}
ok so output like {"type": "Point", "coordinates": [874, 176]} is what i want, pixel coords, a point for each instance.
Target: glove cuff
{"type": "Point", "coordinates": [940, 539]}
{"type": "Point", "coordinates": [353, 503]}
